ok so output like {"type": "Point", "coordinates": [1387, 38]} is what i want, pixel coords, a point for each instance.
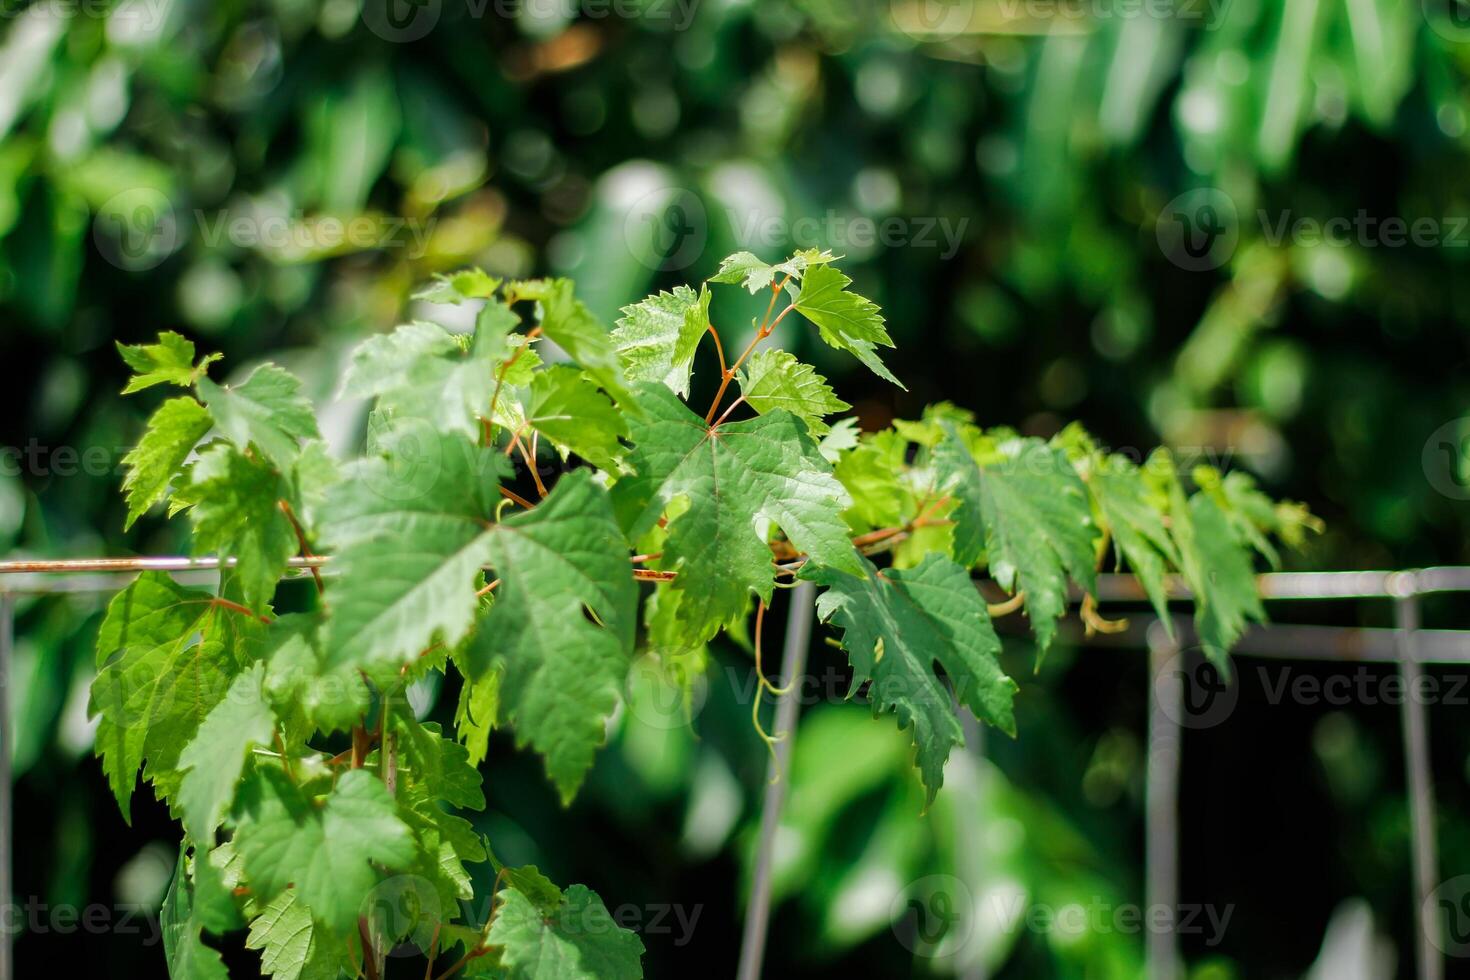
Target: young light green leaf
{"type": "Point", "coordinates": [187, 956]}
{"type": "Point", "coordinates": [441, 768]}
{"type": "Point", "coordinates": [567, 321]}
{"type": "Point", "coordinates": [577, 941]}
{"type": "Point", "coordinates": [459, 286]}
{"type": "Point", "coordinates": [874, 475]}
{"type": "Point", "coordinates": [215, 758]}
{"type": "Point", "coordinates": [1137, 527]}
{"type": "Point", "coordinates": [755, 275]}
{"type": "Point", "coordinates": [1217, 567]}
{"type": "Point", "coordinates": [574, 414]}
{"type": "Point", "coordinates": [656, 339]}
{"type": "Point", "coordinates": [235, 509]}
{"type": "Point", "coordinates": [421, 371]}
{"type": "Point", "coordinates": [775, 379]}
{"type": "Point", "coordinates": [408, 532]}
{"type": "Point", "coordinates": [474, 716]}
{"type": "Point", "coordinates": [266, 410]}
{"type": "Point", "coordinates": [844, 319]}
{"type": "Point", "coordinates": [1038, 529]}
{"type": "Point", "coordinates": [170, 436]}
{"type": "Point", "coordinates": [732, 475]}
{"type": "Point", "coordinates": [896, 624]}
{"type": "Point", "coordinates": [325, 850]}
{"type": "Point", "coordinates": [560, 672]}
{"type": "Point", "coordinates": [166, 656]}
{"type": "Point", "coordinates": [170, 361]}
{"type": "Point", "coordinates": [292, 946]}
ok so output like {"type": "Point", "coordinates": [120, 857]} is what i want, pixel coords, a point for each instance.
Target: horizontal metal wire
{"type": "Point", "coordinates": [1110, 587]}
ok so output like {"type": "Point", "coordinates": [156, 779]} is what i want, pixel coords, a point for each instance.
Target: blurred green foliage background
{"type": "Point", "coordinates": [1093, 209]}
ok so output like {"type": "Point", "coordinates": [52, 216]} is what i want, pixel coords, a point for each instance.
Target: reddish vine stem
{"type": "Point", "coordinates": [433, 951]}
{"type": "Point", "coordinates": [767, 325]}
{"type": "Point", "coordinates": [316, 573]}
{"type": "Point", "coordinates": [531, 335]}
{"type": "Point", "coordinates": [726, 414]}
{"type": "Point", "coordinates": [516, 498]}
{"type": "Point", "coordinates": [235, 607]}
{"type": "Point", "coordinates": [369, 955]}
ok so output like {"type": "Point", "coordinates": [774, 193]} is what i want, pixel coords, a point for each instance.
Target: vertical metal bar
{"type": "Point", "coordinates": [1166, 701]}
{"type": "Point", "coordinates": [7, 640]}
{"type": "Point", "coordinates": [1421, 782]}
{"type": "Point", "coordinates": [968, 842]}
{"type": "Point", "coordinates": [793, 665]}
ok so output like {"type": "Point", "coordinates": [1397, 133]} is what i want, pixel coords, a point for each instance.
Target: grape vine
{"type": "Point", "coordinates": [305, 783]}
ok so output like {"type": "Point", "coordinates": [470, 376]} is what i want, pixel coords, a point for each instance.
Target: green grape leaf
{"type": "Point", "coordinates": [656, 339]}
{"type": "Point", "coordinates": [1217, 568]}
{"type": "Point", "coordinates": [421, 371]}
{"type": "Point", "coordinates": [171, 434]}
{"type": "Point", "coordinates": [188, 958]}
{"type": "Point", "coordinates": [755, 275]}
{"type": "Point", "coordinates": [214, 759]}
{"type": "Point", "coordinates": [1137, 527]}
{"type": "Point", "coordinates": [266, 410]}
{"type": "Point", "coordinates": [474, 716]}
{"type": "Point", "coordinates": [874, 475]}
{"type": "Point", "coordinates": [1038, 529]}
{"type": "Point", "coordinates": [732, 475]}
{"type": "Point", "coordinates": [325, 850]}
{"type": "Point", "coordinates": [170, 361]}
{"type": "Point", "coordinates": [577, 941]}
{"type": "Point", "coordinates": [775, 379]}
{"type": "Point", "coordinates": [459, 286]}
{"type": "Point", "coordinates": [441, 767]}
{"type": "Point", "coordinates": [408, 535]}
{"type": "Point", "coordinates": [567, 321]}
{"type": "Point", "coordinates": [305, 693]}
{"type": "Point", "coordinates": [560, 672]}
{"type": "Point", "coordinates": [574, 413]}
{"type": "Point", "coordinates": [959, 476]}
{"type": "Point", "coordinates": [292, 946]}
{"type": "Point", "coordinates": [166, 656]}
{"type": "Point", "coordinates": [235, 509]}
{"type": "Point", "coordinates": [844, 319]}
{"type": "Point", "coordinates": [896, 624]}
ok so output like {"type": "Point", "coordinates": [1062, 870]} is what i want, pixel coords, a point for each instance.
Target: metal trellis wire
{"type": "Point", "coordinates": [1407, 645]}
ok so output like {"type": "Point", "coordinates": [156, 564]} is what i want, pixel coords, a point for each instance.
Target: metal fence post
{"type": "Point", "coordinates": [1415, 718]}
{"type": "Point", "coordinates": [1166, 696]}
{"type": "Point", "coordinates": [793, 666]}
{"type": "Point", "coordinates": [7, 640]}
